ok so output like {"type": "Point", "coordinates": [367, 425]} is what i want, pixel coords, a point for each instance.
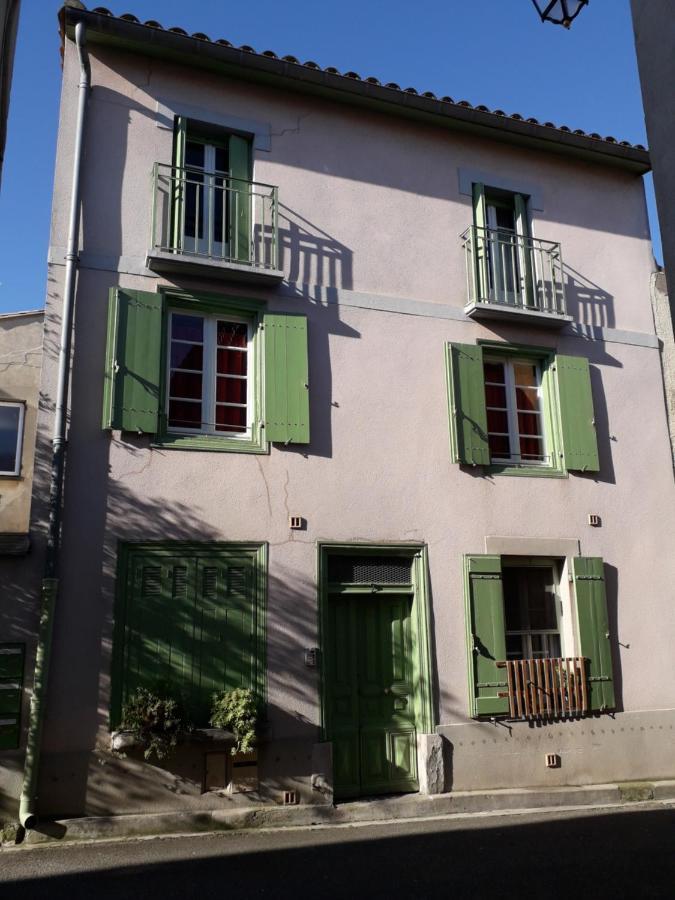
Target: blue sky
{"type": "Point", "coordinates": [494, 52]}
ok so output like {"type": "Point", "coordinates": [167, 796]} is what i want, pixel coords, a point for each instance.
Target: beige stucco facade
{"type": "Point", "coordinates": [371, 208]}
{"type": "Point", "coordinates": [20, 366]}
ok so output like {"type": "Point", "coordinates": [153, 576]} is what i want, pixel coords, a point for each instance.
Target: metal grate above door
{"type": "Point", "coordinates": [369, 569]}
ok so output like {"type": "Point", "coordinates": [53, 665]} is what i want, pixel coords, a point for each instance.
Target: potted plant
{"type": "Point", "coordinates": [239, 711]}
{"type": "Point", "coordinates": [152, 721]}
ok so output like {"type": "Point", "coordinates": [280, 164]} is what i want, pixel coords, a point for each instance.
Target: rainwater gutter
{"type": "Point", "coordinates": [50, 581]}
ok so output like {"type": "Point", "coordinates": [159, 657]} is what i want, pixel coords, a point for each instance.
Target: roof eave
{"type": "Point", "coordinates": [256, 67]}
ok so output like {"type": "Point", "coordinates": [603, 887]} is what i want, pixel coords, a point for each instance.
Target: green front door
{"type": "Point", "coordinates": [370, 693]}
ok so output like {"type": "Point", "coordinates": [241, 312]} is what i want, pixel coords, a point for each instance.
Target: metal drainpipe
{"type": "Point", "coordinates": [50, 583]}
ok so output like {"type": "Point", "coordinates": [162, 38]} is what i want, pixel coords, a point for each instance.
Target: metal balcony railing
{"type": "Point", "coordinates": [510, 270]}
{"type": "Point", "coordinates": [546, 688]}
{"type": "Point", "coordinates": [214, 217]}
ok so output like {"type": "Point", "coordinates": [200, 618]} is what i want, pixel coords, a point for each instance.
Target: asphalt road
{"type": "Point", "coordinates": [621, 854]}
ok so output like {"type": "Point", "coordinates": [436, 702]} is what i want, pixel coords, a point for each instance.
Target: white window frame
{"type": "Point", "coordinates": [19, 436]}
{"type": "Point", "coordinates": [514, 459]}
{"type": "Point", "coordinates": [208, 373]}
{"type": "Point", "coordinates": [526, 634]}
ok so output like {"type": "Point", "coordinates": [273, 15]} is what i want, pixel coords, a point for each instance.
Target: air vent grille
{"type": "Point", "coordinates": [369, 569]}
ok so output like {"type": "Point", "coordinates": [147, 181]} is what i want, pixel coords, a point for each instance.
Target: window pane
{"type": "Point", "coordinates": [527, 399]}
{"type": "Point", "coordinates": [9, 434]}
{"type": "Point", "coordinates": [187, 356]}
{"type": "Point", "coordinates": [232, 362]}
{"type": "Point", "coordinates": [541, 599]}
{"type": "Point", "coordinates": [497, 421]}
{"type": "Point", "coordinates": [230, 418]}
{"type": "Point", "coordinates": [514, 646]}
{"type": "Point", "coordinates": [194, 154]}
{"type": "Point", "coordinates": [531, 449]}
{"type": "Point", "coordinates": [513, 607]}
{"type": "Point", "coordinates": [525, 374]}
{"type": "Point", "coordinates": [499, 447]}
{"type": "Point", "coordinates": [183, 414]}
{"type": "Point", "coordinates": [185, 385]}
{"type": "Point", "coordinates": [221, 159]}
{"type": "Point", "coordinates": [232, 334]}
{"type": "Point", "coordinates": [231, 390]}
{"type": "Point", "coordinates": [494, 372]}
{"type": "Point", "coordinates": [187, 328]}
{"type": "Point", "coordinates": [495, 396]}
{"type": "Point", "coordinates": [529, 424]}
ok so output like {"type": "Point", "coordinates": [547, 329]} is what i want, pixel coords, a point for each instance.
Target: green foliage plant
{"type": "Point", "coordinates": [238, 710]}
{"type": "Point", "coordinates": [155, 721]}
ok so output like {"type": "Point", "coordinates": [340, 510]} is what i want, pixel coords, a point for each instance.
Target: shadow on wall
{"type": "Point", "coordinates": [587, 303]}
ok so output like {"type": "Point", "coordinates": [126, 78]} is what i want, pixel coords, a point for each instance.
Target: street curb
{"type": "Point", "coordinates": [412, 806]}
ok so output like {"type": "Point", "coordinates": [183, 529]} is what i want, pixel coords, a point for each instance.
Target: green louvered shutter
{"type": "Point", "coordinates": [482, 285]}
{"type": "Point", "coordinates": [524, 250]}
{"type": "Point", "coordinates": [580, 444]}
{"type": "Point", "coordinates": [11, 692]}
{"type": "Point", "coordinates": [133, 360]}
{"type": "Point", "coordinates": [486, 636]}
{"type": "Point", "coordinates": [240, 198]}
{"type": "Point", "coordinates": [593, 623]}
{"type": "Point", "coordinates": [178, 184]}
{"type": "Point", "coordinates": [466, 401]}
{"type": "Point", "coordinates": [286, 379]}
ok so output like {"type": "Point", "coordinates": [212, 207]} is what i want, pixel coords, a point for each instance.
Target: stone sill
{"type": "Point", "coordinates": [516, 314]}
{"type": "Point", "coordinates": [166, 262]}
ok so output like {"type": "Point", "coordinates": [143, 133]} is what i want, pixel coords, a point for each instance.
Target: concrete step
{"type": "Point", "coordinates": [362, 811]}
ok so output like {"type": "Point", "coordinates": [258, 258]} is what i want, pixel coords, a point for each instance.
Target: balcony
{"type": "Point", "coordinates": [513, 277]}
{"type": "Point", "coordinates": [546, 688]}
{"type": "Point", "coordinates": [213, 225]}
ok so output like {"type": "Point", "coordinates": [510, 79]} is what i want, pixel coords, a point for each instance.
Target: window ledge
{"type": "Point", "coordinates": [501, 311]}
{"type": "Point", "coordinates": [210, 443]}
{"type": "Point", "coordinates": [169, 262]}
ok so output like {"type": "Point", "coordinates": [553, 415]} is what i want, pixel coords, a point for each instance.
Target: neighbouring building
{"type": "Point", "coordinates": [20, 368]}
{"type": "Point", "coordinates": [366, 416]}
{"type": "Point", "coordinates": [9, 23]}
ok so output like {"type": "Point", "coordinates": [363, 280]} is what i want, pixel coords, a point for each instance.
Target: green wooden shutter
{"type": "Point", "coordinates": [241, 198]}
{"type": "Point", "coordinates": [524, 249]}
{"type": "Point", "coordinates": [133, 361]}
{"type": "Point", "coordinates": [580, 445]}
{"type": "Point", "coordinates": [286, 378]}
{"type": "Point", "coordinates": [466, 400]}
{"type": "Point", "coordinates": [11, 692]}
{"type": "Point", "coordinates": [486, 637]}
{"type": "Point", "coordinates": [482, 282]}
{"type": "Point", "coordinates": [593, 623]}
{"type": "Point", "coordinates": [178, 185]}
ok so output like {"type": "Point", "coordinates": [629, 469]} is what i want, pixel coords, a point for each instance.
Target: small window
{"type": "Point", "coordinates": [531, 612]}
{"type": "Point", "coordinates": [11, 434]}
{"type": "Point", "coordinates": [513, 399]}
{"type": "Point", "coordinates": [209, 379]}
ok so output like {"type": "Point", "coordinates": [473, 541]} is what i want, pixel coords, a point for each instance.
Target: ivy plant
{"type": "Point", "coordinates": [155, 721]}
{"type": "Point", "coordinates": [238, 710]}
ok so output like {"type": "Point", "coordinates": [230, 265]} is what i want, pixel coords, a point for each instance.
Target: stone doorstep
{"type": "Point", "coordinates": [360, 811]}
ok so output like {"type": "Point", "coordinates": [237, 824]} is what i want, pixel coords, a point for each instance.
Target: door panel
{"type": "Point", "coordinates": [370, 708]}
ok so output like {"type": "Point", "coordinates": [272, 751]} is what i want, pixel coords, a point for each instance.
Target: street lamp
{"type": "Point", "coordinates": [560, 12]}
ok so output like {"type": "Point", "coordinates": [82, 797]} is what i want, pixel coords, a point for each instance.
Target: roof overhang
{"type": "Point", "coordinates": [281, 73]}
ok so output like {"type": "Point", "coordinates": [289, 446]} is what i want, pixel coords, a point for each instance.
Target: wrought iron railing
{"type": "Point", "coordinates": [513, 270]}
{"type": "Point", "coordinates": [546, 688]}
{"type": "Point", "coordinates": [213, 216]}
